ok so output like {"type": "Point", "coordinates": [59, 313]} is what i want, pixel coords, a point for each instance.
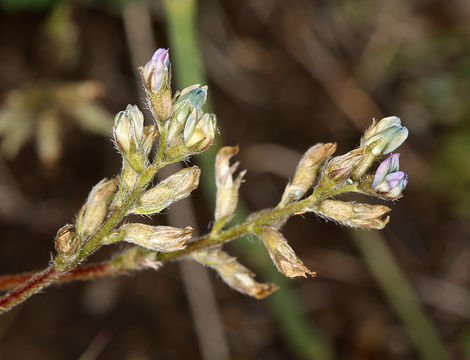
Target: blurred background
{"type": "Point", "coordinates": [282, 76]}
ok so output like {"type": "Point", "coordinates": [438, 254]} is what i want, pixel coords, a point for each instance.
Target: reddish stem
{"type": "Point", "coordinates": [85, 272]}
{"type": "Point", "coordinates": [33, 285]}
{"type": "Point", "coordinates": [30, 283]}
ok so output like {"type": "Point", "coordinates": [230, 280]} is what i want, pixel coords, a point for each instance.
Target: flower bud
{"type": "Point", "coordinates": [93, 213]}
{"type": "Point", "coordinates": [156, 77]}
{"type": "Point", "coordinates": [66, 243]}
{"type": "Point", "coordinates": [381, 138]}
{"type": "Point", "coordinates": [354, 214]}
{"type": "Point", "coordinates": [282, 254]}
{"type": "Point", "coordinates": [393, 185]}
{"type": "Point", "coordinates": [307, 171]}
{"type": "Point", "coordinates": [385, 136]}
{"type": "Point", "coordinates": [339, 169]}
{"type": "Point", "coordinates": [198, 136]}
{"type": "Point", "coordinates": [227, 188]}
{"type": "Point", "coordinates": [233, 273]}
{"type": "Point", "coordinates": [388, 166]}
{"type": "Point", "coordinates": [128, 135]}
{"type": "Point", "coordinates": [187, 111]}
{"type": "Point", "coordinates": [156, 73]}
{"type": "Point", "coordinates": [174, 188]}
{"type": "Point", "coordinates": [158, 238]}
{"type": "Point", "coordinates": [195, 94]}
{"type": "Point", "coordinates": [388, 181]}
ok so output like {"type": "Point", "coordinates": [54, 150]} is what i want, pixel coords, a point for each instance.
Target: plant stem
{"type": "Point", "coordinates": [120, 212]}
{"type": "Point", "coordinates": [48, 276]}
{"type": "Point", "coordinates": [214, 238]}
{"type": "Point", "coordinates": [34, 284]}
{"type": "Point", "coordinates": [83, 272]}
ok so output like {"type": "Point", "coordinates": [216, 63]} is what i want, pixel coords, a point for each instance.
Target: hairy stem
{"type": "Point", "coordinates": [214, 238]}
{"type": "Point", "coordinates": [34, 284]}
{"type": "Point", "coordinates": [84, 272]}
{"type": "Point", "coordinates": [48, 276]}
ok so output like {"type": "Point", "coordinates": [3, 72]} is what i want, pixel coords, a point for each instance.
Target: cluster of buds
{"type": "Point", "coordinates": [381, 138]}
{"type": "Point", "coordinates": [188, 130]}
{"type": "Point", "coordinates": [185, 130]}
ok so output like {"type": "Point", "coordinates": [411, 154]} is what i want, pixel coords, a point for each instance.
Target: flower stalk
{"type": "Point", "coordinates": [181, 129]}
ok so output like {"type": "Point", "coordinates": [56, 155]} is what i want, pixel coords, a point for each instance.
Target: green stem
{"type": "Point", "coordinates": [119, 212]}
{"type": "Point", "coordinates": [215, 238]}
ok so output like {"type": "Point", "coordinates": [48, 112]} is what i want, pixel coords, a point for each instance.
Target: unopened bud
{"type": "Point", "coordinates": [227, 188]}
{"type": "Point", "coordinates": [307, 171]}
{"type": "Point", "coordinates": [339, 168]}
{"type": "Point", "coordinates": [198, 136]}
{"type": "Point", "coordinates": [187, 108]}
{"type": "Point", "coordinates": [93, 213]}
{"type": "Point", "coordinates": [65, 241]}
{"type": "Point", "coordinates": [385, 135]}
{"type": "Point", "coordinates": [158, 238]}
{"type": "Point", "coordinates": [388, 166]}
{"type": "Point", "coordinates": [282, 254]}
{"type": "Point", "coordinates": [393, 185]}
{"type": "Point", "coordinates": [156, 77]}
{"type": "Point", "coordinates": [389, 182]}
{"type": "Point", "coordinates": [128, 135]}
{"type": "Point", "coordinates": [354, 214]}
{"type": "Point", "coordinates": [381, 138]}
{"type": "Point", "coordinates": [67, 245]}
{"type": "Point", "coordinates": [156, 72]}
{"type": "Point", "coordinates": [196, 95]}
{"type": "Point", "coordinates": [233, 273]}
{"type": "Point", "coordinates": [174, 188]}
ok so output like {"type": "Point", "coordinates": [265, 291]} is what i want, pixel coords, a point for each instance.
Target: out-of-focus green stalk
{"type": "Point", "coordinates": [299, 333]}
{"type": "Point", "coordinates": [399, 293]}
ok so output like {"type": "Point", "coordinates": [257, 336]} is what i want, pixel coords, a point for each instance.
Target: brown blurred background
{"type": "Point", "coordinates": [282, 75]}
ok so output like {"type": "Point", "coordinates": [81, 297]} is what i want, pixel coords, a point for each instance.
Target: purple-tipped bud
{"type": "Point", "coordinates": [156, 77]}
{"type": "Point", "coordinates": [389, 165]}
{"type": "Point", "coordinates": [392, 185]}
{"type": "Point", "coordinates": [385, 136]}
{"type": "Point", "coordinates": [156, 73]}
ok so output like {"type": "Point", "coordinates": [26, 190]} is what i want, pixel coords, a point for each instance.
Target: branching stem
{"type": "Point", "coordinates": [30, 283]}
